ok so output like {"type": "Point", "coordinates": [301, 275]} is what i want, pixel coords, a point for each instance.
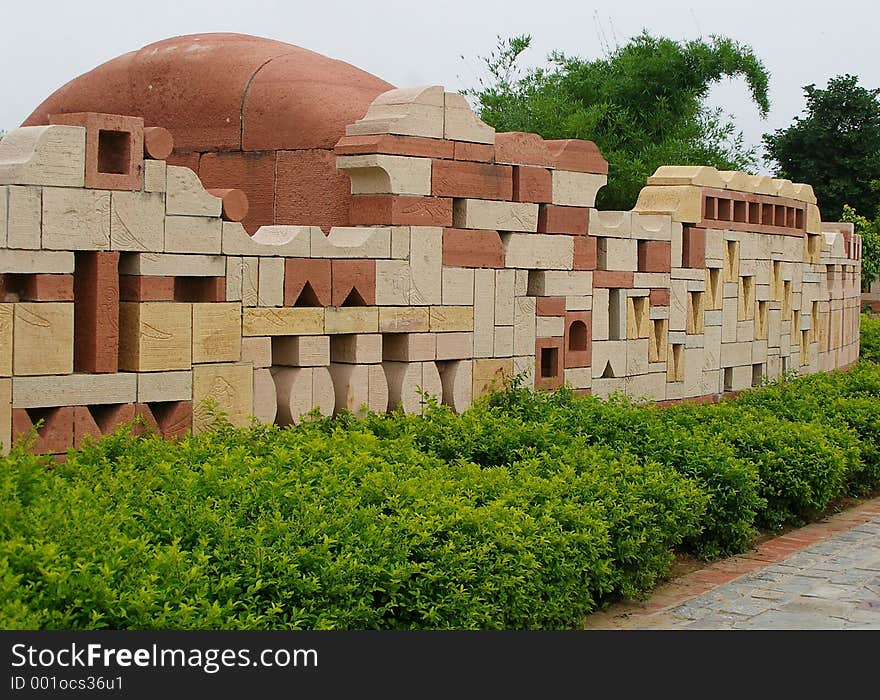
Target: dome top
{"type": "Point", "coordinates": [225, 92]}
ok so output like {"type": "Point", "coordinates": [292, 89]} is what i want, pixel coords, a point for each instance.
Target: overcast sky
{"type": "Point", "coordinates": [413, 42]}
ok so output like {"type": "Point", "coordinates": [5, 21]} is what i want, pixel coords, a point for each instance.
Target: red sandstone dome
{"type": "Point", "coordinates": [241, 109]}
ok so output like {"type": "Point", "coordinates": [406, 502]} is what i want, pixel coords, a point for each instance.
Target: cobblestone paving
{"type": "Point", "coordinates": [832, 583]}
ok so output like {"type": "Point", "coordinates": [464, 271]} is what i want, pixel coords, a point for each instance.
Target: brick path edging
{"type": "Point", "coordinates": [683, 588]}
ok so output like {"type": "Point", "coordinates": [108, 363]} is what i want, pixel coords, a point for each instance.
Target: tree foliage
{"type": "Point", "coordinates": [870, 232]}
{"type": "Point", "coordinates": [643, 104]}
{"type": "Point", "coordinates": [834, 146]}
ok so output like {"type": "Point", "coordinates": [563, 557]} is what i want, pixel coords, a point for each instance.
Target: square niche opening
{"type": "Point", "coordinates": [114, 152]}
{"type": "Point", "coordinates": [549, 362]}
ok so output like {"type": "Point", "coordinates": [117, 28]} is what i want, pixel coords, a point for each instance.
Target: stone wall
{"type": "Point", "coordinates": [128, 289]}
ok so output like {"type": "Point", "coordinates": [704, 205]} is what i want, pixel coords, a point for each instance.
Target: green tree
{"type": "Point", "coordinates": [870, 233]}
{"type": "Point", "coordinates": [834, 146]}
{"type": "Point", "coordinates": [643, 104]}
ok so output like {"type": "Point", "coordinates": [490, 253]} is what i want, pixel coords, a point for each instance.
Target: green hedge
{"type": "Point", "coordinates": [527, 511]}
{"type": "Point", "coordinates": [870, 338]}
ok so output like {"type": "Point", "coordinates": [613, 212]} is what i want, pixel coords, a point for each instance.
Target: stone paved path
{"type": "Point", "coordinates": [823, 576]}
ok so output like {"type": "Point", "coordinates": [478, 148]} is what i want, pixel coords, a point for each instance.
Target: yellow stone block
{"type": "Point", "coordinates": [216, 332]}
{"type": "Point", "coordinates": [491, 374]}
{"type": "Point", "coordinates": [282, 321]}
{"type": "Point", "coordinates": [351, 319]}
{"type": "Point", "coordinates": [682, 202]}
{"type": "Point", "coordinates": [155, 336]}
{"type": "Point", "coordinates": [452, 318]}
{"type": "Point", "coordinates": [5, 415]}
{"type": "Point", "coordinates": [404, 319]}
{"type": "Point", "coordinates": [230, 387]}
{"type": "Point", "coordinates": [6, 314]}
{"type": "Point", "coordinates": [42, 338]}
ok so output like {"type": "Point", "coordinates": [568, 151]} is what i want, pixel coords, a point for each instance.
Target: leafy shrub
{"type": "Point", "coordinates": [869, 348]}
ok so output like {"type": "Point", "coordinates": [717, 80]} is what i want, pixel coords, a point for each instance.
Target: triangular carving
{"type": "Point", "coordinates": [307, 297]}
{"type": "Point", "coordinates": [354, 298]}
{"type": "Point", "coordinates": [609, 372]}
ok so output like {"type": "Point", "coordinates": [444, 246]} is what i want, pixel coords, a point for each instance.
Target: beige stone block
{"type": "Point", "coordinates": [621, 254]}
{"type": "Point", "coordinates": [169, 265]}
{"type": "Point", "coordinates": [394, 283]}
{"type": "Point", "coordinates": [653, 227]}
{"type": "Point", "coordinates": [538, 251]}
{"type": "Point", "coordinates": [699, 175]}
{"type": "Point", "coordinates": [494, 215]}
{"type": "Point", "coordinates": [357, 348]}
{"type": "Point", "coordinates": [637, 356]}
{"type": "Point", "coordinates": [233, 279]}
{"type": "Point", "coordinates": [605, 387]}
{"type": "Point", "coordinates": [24, 217]}
{"type": "Point", "coordinates": [4, 207]}
{"type": "Point", "coordinates": [712, 348]}
{"type": "Point", "coordinates": [267, 241]}
{"type": "Point", "coordinates": [257, 351]}
{"type": "Point", "coordinates": [524, 367]}
{"type": "Point", "coordinates": [216, 332]}
{"type": "Point", "coordinates": [302, 389]}
{"type": "Point", "coordinates": [351, 319]}
{"type": "Point", "coordinates": [550, 326]}
{"type": "Point", "coordinates": [400, 242]}
{"type": "Point", "coordinates": [646, 387]}
{"type": "Point", "coordinates": [408, 381]}
{"type": "Point", "coordinates": [74, 390]}
{"type": "Point", "coordinates": [36, 261]}
{"type": "Point", "coordinates": [137, 221]}
{"type": "Point", "coordinates": [426, 261]}
{"type": "Point", "coordinates": [579, 377]}
{"type": "Point", "coordinates": [155, 175]}
{"type": "Point", "coordinates": [185, 194]}
{"type": "Point", "coordinates": [301, 351]}
{"type": "Point", "coordinates": [404, 319]}
{"type": "Point", "coordinates": [455, 346]}
{"type": "Point", "coordinates": [409, 347]}
{"type": "Point", "coordinates": [736, 354]}
{"type": "Point", "coordinates": [491, 375]}
{"type": "Point", "coordinates": [729, 313]}
{"type": "Point", "coordinates": [503, 346]}
{"type": "Point", "coordinates": [377, 173]}
{"type": "Point", "coordinates": [524, 326]}
{"type": "Point", "coordinates": [458, 286]}
{"type": "Point", "coordinates": [42, 340]}
{"type": "Point", "coordinates": [683, 203]}
{"type": "Point", "coordinates": [155, 336]}
{"type": "Point", "coordinates": [521, 283]}
{"type": "Point", "coordinates": [44, 155]}
{"type": "Point", "coordinates": [360, 388]}
{"type": "Point", "coordinates": [5, 416]}
{"type": "Point", "coordinates": [678, 305]}
{"type": "Point", "coordinates": [250, 281]}
{"type": "Point", "coordinates": [192, 234]}
{"type": "Point", "coordinates": [505, 281]}
{"type": "Point", "coordinates": [227, 388]}
{"type": "Point", "coordinates": [457, 381]}
{"type": "Point", "coordinates": [560, 283]}
{"type": "Point", "coordinates": [601, 314]}
{"type": "Point", "coordinates": [611, 224]}
{"type": "Point", "coordinates": [351, 242]}
{"type": "Point", "coordinates": [404, 111]}
{"type": "Point", "coordinates": [579, 303]}
{"type": "Point", "coordinates": [283, 321]}
{"type": "Point", "coordinates": [270, 282]}
{"type": "Point", "coordinates": [576, 189]}
{"type": "Point", "coordinates": [814, 220]}
{"type": "Point", "coordinates": [461, 124]}
{"type": "Point", "coordinates": [452, 318]}
{"type": "Point", "coordinates": [265, 396]}
{"type": "Point", "coordinates": [694, 359]}
{"type": "Point", "coordinates": [610, 359]}
{"type": "Point", "coordinates": [6, 324]}
{"type": "Point", "coordinates": [651, 280]}
{"type": "Point", "coordinates": [163, 386]}
{"type": "Point", "coordinates": [484, 313]}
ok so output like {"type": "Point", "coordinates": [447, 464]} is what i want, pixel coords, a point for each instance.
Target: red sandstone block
{"type": "Point", "coordinates": [199, 289]}
{"type": "Point", "coordinates": [142, 288]}
{"type": "Point", "coordinates": [56, 433]}
{"type": "Point", "coordinates": [37, 287]}
{"type": "Point", "coordinates": [174, 417]}
{"type": "Point", "coordinates": [114, 148]}
{"type": "Point", "coordinates": [555, 219]}
{"type": "Point", "coordinates": [654, 256]}
{"type": "Point", "coordinates": [549, 372]}
{"type": "Point", "coordinates": [693, 247]}
{"type": "Point", "coordinates": [234, 203]}
{"type": "Point", "coordinates": [96, 312]}
{"type": "Point", "coordinates": [532, 184]}
{"type": "Point", "coordinates": [613, 279]}
{"type": "Point", "coordinates": [187, 160]}
{"type": "Point", "coordinates": [659, 297]}
{"type": "Point", "coordinates": [84, 426]}
{"type": "Point", "coordinates": [482, 152]}
{"type": "Point", "coordinates": [108, 418]}
{"type": "Point", "coordinates": [578, 339]}
{"type": "Point", "coordinates": [396, 145]}
{"type": "Point", "coordinates": [253, 173]}
{"type": "Point", "coordinates": [158, 142]}
{"type": "Point", "coordinates": [585, 253]}
{"type": "Point", "coordinates": [311, 191]}
{"type": "Point", "coordinates": [353, 283]}
{"type": "Point", "coordinates": [450, 178]}
{"type": "Point", "coordinates": [522, 148]}
{"type": "Point", "coordinates": [472, 248]}
{"type": "Point", "coordinates": [313, 272]}
{"type": "Point", "coordinates": [394, 210]}
{"type": "Point", "coordinates": [578, 156]}
{"type": "Point", "coordinates": [550, 306]}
